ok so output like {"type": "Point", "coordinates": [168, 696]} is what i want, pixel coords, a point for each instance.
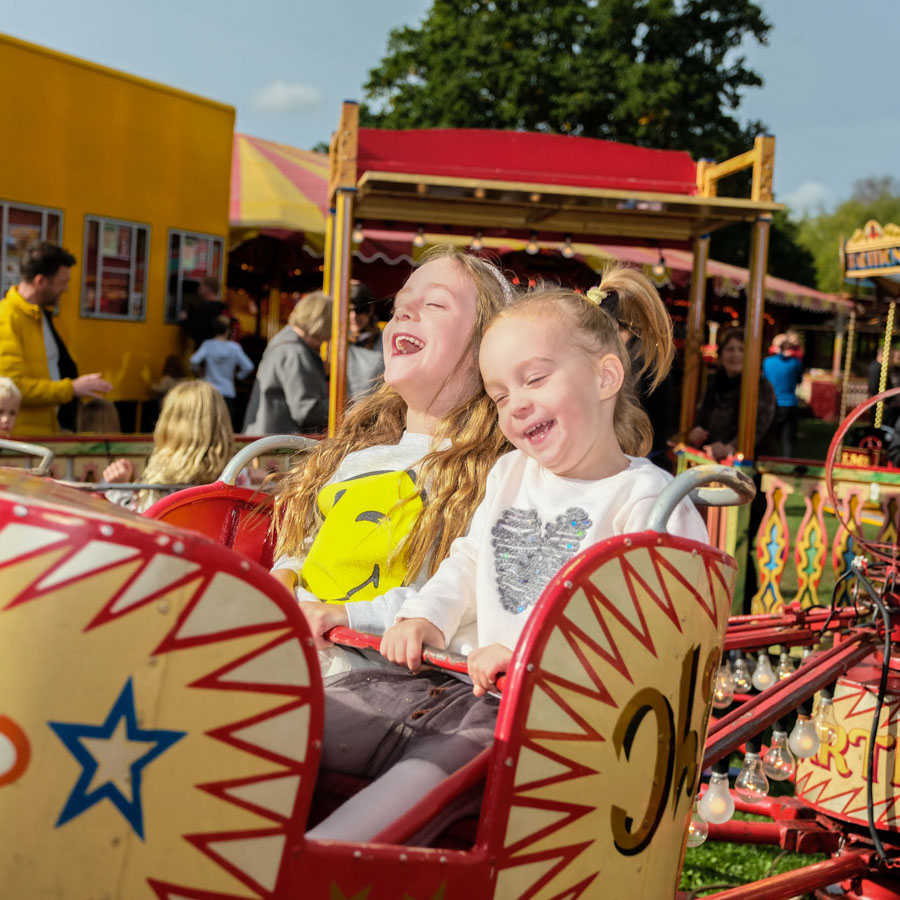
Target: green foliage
{"type": "Point", "coordinates": [872, 198]}
{"type": "Point", "coordinates": [657, 73]}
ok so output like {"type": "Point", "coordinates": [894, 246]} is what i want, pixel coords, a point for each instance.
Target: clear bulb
{"type": "Point", "coordinates": [779, 762]}
{"type": "Point", "coordinates": [751, 783]}
{"type": "Point", "coordinates": [723, 693]}
{"type": "Point", "coordinates": [477, 242]}
{"type": "Point", "coordinates": [807, 652]}
{"type": "Point", "coordinates": [358, 235]}
{"type": "Point", "coordinates": [785, 666]}
{"type": "Point", "coordinates": [742, 679]}
{"type": "Point", "coordinates": [763, 676]}
{"type": "Point", "coordinates": [698, 830]}
{"type": "Point", "coordinates": [716, 805]}
{"type": "Point", "coordinates": [804, 742]}
{"type": "Point", "coordinates": [825, 722]}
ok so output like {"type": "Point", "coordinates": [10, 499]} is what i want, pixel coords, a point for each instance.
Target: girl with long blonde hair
{"type": "Point", "coordinates": [378, 505]}
{"type": "Point", "coordinates": [192, 442]}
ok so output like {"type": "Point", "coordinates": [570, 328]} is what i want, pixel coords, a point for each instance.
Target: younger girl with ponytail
{"type": "Point", "coordinates": [555, 365]}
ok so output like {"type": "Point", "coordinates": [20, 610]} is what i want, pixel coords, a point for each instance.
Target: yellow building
{"type": "Point", "coordinates": [130, 176]}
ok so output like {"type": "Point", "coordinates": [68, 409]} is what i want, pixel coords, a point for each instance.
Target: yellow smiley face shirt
{"type": "Point", "coordinates": [368, 509]}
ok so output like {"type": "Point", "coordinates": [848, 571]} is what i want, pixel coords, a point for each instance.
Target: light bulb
{"type": "Point", "coordinates": [723, 693]}
{"type": "Point", "coordinates": [742, 678]}
{"type": "Point", "coordinates": [419, 239]}
{"type": "Point", "coordinates": [807, 652]}
{"type": "Point", "coordinates": [785, 666]}
{"type": "Point", "coordinates": [477, 242]}
{"type": "Point", "coordinates": [751, 783]}
{"type": "Point", "coordinates": [824, 720]}
{"type": "Point", "coordinates": [779, 762]}
{"type": "Point", "coordinates": [358, 234]}
{"type": "Point", "coordinates": [698, 830]}
{"type": "Point", "coordinates": [531, 247]}
{"type": "Point", "coordinates": [717, 805]}
{"type": "Point", "coordinates": [804, 742]}
{"type": "Point", "coordinates": [568, 251]}
{"type": "Point", "coordinates": [763, 676]}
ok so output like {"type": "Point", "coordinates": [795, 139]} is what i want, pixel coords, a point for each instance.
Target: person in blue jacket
{"type": "Point", "coordinates": [784, 369]}
{"type": "Point", "coordinates": [223, 359]}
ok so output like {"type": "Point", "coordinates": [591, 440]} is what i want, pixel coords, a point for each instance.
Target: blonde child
{"type": "Point", "coordinates": [555, 365]}
{"type": "Point", "coordinates": [377, 506]}
{"type": "Point", "coordinates": [192, 442]}
{"type": "Point", "coordinates": [10, 401]}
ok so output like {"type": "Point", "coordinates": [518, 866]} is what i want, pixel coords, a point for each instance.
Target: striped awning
{"type": "Point", "coordinates": [277, 186]}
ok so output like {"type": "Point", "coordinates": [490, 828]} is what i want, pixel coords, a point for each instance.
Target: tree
{"type": "Point", "coordinates": [657, 73]}
{"type": "Point", "coordinates": [872, 198]}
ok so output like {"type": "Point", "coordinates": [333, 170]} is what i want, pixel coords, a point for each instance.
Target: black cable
{"type": "Point", "coordinates": [879, 704]}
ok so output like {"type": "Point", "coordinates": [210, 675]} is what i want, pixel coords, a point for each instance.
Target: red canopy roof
{"type": "Point", "coordinates": [526, 157]}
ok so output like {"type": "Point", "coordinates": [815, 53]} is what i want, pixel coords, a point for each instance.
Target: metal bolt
{"type": "Point", "coordinates": [567, 585]}
{"type": "Point", "coordinates": [20, 511]}
{"type": "Point", "coordinates": [178, 547]}
{"type": "Point", "coordinates": [106, 530]}
{"type": "Point", "coordinates": [529, 667]}
{"type": "Point", "coordinates": [509, 761]}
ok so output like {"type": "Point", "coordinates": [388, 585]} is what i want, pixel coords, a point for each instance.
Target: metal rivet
{"type": "Point", "coordinates": [163, 606]}
{"type": "Point", "coordinates": [317, 745]}
{"type": "Point", "coordinates": [178, 547]}
{"type": "Point", "coordinates": [357, 854]}
{"type": "Point", "coordinates": [402, 857]}
{"type": "Point", "coordinates": [509, 761]}
{"type": "Point", "coordinates": [529, 667]}
{"type": "Point", "coordinates": [162, 540]}
{"type": "Point", "coordinates": [694, 552]}
{"type": "Point", "coordinates": [106, 530]}
{"type": "Point", "coordinates": [20, 511]}
{"type": "Point", "coordinates": [627, 542]}
{"type": "Point", "coordinates": [567, 585]}
{"type": "Point", "coordinates": [442, 860]}
{"type": "Point", "coordinates": [245, 565]}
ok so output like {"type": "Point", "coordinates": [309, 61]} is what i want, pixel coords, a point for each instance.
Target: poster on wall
{"type": "Point", "coordinates": [109, 245]}
{"type": "Point", "coordinates": [189, 255]}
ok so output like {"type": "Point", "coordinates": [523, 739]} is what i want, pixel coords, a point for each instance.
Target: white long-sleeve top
{"type": "Point", "coordinates": [530, 523]}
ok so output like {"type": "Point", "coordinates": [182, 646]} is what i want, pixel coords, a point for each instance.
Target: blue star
{"type": "Point", "coordinates": [112, 759]}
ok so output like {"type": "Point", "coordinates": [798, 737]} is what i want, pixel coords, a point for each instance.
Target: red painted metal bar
{"type": "Point", "coordinates": [444, 659]}
{"type": "Point", "coordinates": [737, 831]}
{"type": "Point", "coordinates": [762, 710]}
{"type": "Point", "coordinates": [810, 878]}
{"type": "Point", "coordinates": [797, 628]}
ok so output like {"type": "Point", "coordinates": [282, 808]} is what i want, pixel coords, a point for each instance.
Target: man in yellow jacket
{"type": "Point", "coordinates": [29, 348]}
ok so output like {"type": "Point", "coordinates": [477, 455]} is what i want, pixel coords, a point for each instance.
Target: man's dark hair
{"type": "Point", "coordinates": [44, 258]}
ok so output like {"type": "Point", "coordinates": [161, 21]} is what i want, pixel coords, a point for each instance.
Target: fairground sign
{"type": "Point", "coordinates": [872, 250]}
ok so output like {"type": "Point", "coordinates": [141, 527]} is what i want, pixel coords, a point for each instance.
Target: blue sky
{"type": "Point", "coordinates": [285, 65]}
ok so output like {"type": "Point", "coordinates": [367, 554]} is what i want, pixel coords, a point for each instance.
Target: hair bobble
{"type": "Point", "coordinates": [608, 301]}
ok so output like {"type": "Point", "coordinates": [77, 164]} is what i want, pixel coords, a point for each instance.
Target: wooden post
{"type": "Point", "coordinates": [696, 329]}
{"type": "Point", "coordinates": [753, 327]}
{"type": "Point", "coordinates": [339, 253]}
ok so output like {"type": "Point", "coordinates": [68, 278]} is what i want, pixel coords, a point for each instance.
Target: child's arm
{"type": "Point", "coordinates": [199, 355]}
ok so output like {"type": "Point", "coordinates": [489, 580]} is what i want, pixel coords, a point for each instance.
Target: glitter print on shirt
{"type": "Point", "coordinates": [525, 559]}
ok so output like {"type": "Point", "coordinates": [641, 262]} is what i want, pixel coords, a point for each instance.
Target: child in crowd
{"type": "Point", "coordinates": [555, 365]}
{"type": "Point", "coordinates": [222, 359]}
{"type": "Point", "coordinates": [192, 442]}
{"type": "Point", "coordinates": [378, 505]}
{"type": "Point", "coordinates": [10, 401]}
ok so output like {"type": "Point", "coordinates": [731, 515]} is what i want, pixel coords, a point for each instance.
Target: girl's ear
{"type": "Point", "coordinates": [610, 375]}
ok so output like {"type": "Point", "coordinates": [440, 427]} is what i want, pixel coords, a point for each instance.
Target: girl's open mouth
{"type": "Point", "coordinates": [539, 432]}
{"type": "Point", "coordinates": [404, 344]}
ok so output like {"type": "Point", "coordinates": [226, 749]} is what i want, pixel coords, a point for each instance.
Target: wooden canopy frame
{"type": "Point", "coordinates": [460, 180]}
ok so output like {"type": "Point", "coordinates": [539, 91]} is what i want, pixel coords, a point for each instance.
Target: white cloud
{"type": "Point", "coordinates": [810, 198]}
{"type": "Point", "coordinates": [279, 96]}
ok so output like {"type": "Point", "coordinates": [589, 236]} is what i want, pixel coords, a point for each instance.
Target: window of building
{"type": "Point", "coordinates": [20, 224]}
{"type": "Point", "coordinates": [192, 257]}
{"type": "Point", "coordinates": [115, 269]}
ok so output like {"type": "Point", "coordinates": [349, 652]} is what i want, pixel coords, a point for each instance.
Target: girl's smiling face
{"type": "Point", "coordinates": [555, 402]}
{"type": "Point", "coordinates": [429, 337]}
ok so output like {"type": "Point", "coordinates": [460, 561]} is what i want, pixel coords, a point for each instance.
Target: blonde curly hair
{"type": "Point", "coordinates": [192, 440]}
{"type": "Point", "coordinates": [454, 475]}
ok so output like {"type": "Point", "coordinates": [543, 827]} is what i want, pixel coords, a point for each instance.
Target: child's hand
{"type": "Point", "coordinates": [119, 471]}
{"type": "Point", "coordinates": [402, 643]}
{"type": "Point", "coordinates": [486, 664]}
{"type": "Point", "coordinates": [322, 617]}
